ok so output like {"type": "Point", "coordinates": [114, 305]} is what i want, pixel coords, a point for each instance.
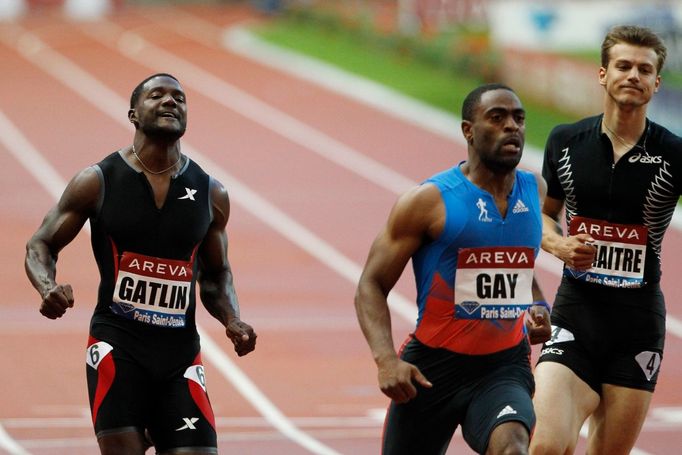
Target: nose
{"type": "Point", "coordinates": [634, 74]}
{"type": "Point", "coordinates": [511, 124]}
{"type": "Point", "coordinates": [169, 99]}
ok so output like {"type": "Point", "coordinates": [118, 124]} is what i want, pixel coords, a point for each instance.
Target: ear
{"type": "Point", "coordinates": [132, 116]}
{"type": "Point", "coordinates": [467, 132]}
{"type": "Point", "coordinates": [657, 84]}
{"type": "Point", "coordinates": [602, 76]}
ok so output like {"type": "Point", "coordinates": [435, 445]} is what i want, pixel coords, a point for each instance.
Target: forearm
{"type": "Point", "coordinates": [538, 296]}
{"type": "Point", "coordinates": [218, 295]}
{"type": "Point", "coordinates": [375, 321]}
{"type": "Point", "coordinates": [41, 266]}
{"type": "Point", "coordinates": [552, 236]}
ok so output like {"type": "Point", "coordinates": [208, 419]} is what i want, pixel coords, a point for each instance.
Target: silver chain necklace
{"type": "Point", "coordinates": [155, 172]}
{"type": "Point", "coordinates": [623, 141]}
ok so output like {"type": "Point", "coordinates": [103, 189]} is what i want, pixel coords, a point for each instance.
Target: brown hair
{"type": "Point", "coordinates": [636, 36]}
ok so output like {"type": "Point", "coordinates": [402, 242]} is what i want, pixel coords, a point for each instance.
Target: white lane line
{"type": "Point", "coordinates": [10, 445]}
{"type": "Point", "coordinates": [244, 195]}
{"type": "Point", "coordinates": [147, 54]}
{"type": "Point", "coordinates": [81, 83]}
{"type": "Point", "coordinates": [221, 422]}
{"type": "Point", "coordinates": [240, 41]}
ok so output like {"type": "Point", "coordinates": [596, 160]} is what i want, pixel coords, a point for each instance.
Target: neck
{"type": "Point", "coordinates": [629, 124]}
{"type": "Point", "coordinates": [499, 185]}
{"type": "Point", "coordinates": [156, 160]}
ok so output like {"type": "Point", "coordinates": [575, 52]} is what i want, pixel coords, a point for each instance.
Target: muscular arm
{"type": "Point", "coordinates": [537, 319]}
{"type": "Point", "coordinates": [418, 215]}
{"type": "Point", "coordinates": [59, 227]}
{"type": "Point", "coordinates": [572, 250]}
{"type": "Point", "coordinates": [215, 278]}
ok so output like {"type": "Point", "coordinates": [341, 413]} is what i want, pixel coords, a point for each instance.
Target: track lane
{"type": "Point", "coordinates": [316, 185]}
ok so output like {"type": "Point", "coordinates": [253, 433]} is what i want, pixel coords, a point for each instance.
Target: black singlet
{"type": "Point", "coordinates": [147, 255]}
{"type": "Point", "coordinates": [642, 188]}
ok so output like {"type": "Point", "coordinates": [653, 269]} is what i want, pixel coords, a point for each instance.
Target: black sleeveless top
{"type": "Point", "coordinates": [147, 256]}
{"type": "Point", "coordinates": [641, 189]}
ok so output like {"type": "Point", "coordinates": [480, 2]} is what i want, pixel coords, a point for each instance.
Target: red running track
{"type": "Point", "coordinates": [300, 229]}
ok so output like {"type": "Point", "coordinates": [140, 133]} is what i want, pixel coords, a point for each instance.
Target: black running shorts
{"type": "Point", "coordinates": [170, 401]}
{"type": "Point", "coordinates": [477, 392]}
{"type": "Point", "coordinates": [608, 335]}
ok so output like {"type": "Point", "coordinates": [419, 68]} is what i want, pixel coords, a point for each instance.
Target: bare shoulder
{"type": "Point", "coordinates": [220, 201]}
{"type": "Point", "coordinates": [542, 185]}
{"type": "Point", "coordinates": [83, 191]}
{"type": "Point", "coordinates": [420, 209]}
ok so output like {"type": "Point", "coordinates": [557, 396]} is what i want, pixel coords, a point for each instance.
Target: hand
{"type": "Point", "coordinates": [538, 324]}
{"type": "Point", "coordinates": [56, 301]}
{"type": "Point", "coordinates": [242, 336]}
{"type": "Point", "coordinates": [396, 380]}
{"type": "Point", "coordinates": [576, 252]}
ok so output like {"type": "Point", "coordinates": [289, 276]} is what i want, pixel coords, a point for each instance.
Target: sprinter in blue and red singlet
{"type": "Point", "coordinates": [472, 232]}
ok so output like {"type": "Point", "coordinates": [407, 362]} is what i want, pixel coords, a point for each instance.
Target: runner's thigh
{"type": "Point", "coordinates": [181, 415]}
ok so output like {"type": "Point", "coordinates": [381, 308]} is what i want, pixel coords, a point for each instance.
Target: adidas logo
{"type": "Point", "coordinates": [507, 409]}
{"type": "Point", "coordinates": [519, 207]}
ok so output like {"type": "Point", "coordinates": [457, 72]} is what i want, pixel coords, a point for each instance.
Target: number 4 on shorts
{"type": "Point", "coordinates": [649, 363]}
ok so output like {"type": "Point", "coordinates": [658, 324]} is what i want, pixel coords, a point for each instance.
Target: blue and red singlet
{"type": "Point", "coordinates": [474, 281]}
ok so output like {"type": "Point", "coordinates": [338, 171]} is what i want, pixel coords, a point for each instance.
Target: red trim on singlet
{"type": "Point", "coordinates": [438, 327]}
{"type": "Point", "coordinates": [194, 253]}
{"type": "Point", "coordinates": [106, 372]}
{"type": "Point", "coordinates": [200, 397]}
{"type": "Point", "coordinates": [114, 252]}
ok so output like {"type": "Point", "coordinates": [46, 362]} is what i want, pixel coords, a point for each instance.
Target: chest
{"type": "Point", "coordinates": [158, 218]}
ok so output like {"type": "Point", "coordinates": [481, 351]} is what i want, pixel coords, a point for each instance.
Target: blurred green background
{"type": "Point", "coordinates": [437, 51]}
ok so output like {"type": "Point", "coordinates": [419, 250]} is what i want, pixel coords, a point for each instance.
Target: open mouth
{"type": "Point", "coordinates": [512, 144]}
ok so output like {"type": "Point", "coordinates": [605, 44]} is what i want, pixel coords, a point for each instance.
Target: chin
{"type": "Point", "coordinates": [164, 133]}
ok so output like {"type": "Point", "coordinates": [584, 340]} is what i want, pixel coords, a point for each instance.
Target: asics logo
{"type": "Point", "coordinates": [645, 159]}
{"type": "Point", "coordinates": [552, 351]}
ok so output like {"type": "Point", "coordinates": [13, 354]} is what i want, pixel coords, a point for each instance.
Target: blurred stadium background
{"type": "Point", "coordinates": [548, 50]}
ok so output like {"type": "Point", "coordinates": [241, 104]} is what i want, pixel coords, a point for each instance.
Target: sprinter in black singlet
{"type": "Point", "coordinates": [158, 228]}
{"type": "Point", "coordinates": [619, 177]}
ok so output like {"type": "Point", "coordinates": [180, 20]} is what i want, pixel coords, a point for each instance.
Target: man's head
{"type": "Point", "coordinates": [158, 107]}
{"type": "Point", "coordinates": [632, 58]}
{"type": "Point", "coordinates": [493, 124]}
{"type": "Point", "coordinates": [634, 36]}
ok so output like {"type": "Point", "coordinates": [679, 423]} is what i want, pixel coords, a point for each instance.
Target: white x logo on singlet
{"type": "Point", "coordinates": [190, 194]}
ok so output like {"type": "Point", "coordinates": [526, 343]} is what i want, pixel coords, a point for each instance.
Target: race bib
{"type": "Point", "coordinates": [493, 282]}
{"type": "Point", "coordinates": [621, 253]}
{"type": "Point", "coordinates": [152, 290]}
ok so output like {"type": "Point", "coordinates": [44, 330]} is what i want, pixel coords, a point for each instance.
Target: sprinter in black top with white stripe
{"type": "Point", "coordinates": [618, 175]}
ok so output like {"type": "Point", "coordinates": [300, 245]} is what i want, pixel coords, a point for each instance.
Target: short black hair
{"type": "Point", "coordinates": [138, 90]}
{"type": "Point", "coordinates": [474, 98]}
